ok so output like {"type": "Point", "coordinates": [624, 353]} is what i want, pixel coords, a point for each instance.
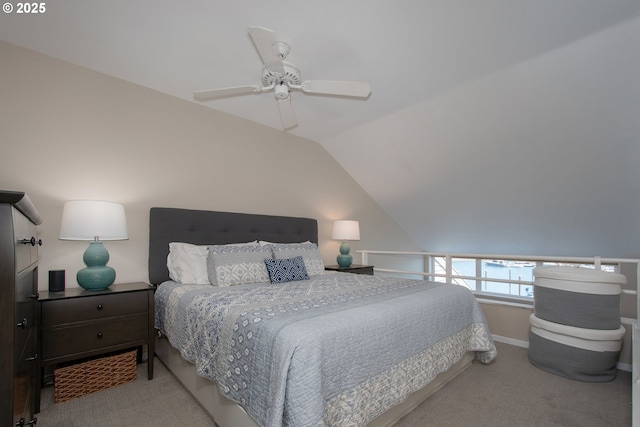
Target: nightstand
{"type": "Point", "coordinates": [353, 268]}
{"type": "Point", "coordinates": [78, 323]}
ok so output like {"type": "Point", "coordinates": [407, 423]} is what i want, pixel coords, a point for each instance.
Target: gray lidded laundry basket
{"type": "Point", "coordinates": [580, 297]}
{"type": "Point", "coordinates": [581, 354]}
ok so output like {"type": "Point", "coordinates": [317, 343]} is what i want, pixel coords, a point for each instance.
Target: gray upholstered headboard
{"type": "Point", "coordinates": [168, 225]}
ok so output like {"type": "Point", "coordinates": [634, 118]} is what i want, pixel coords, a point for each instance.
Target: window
{"type": "Point", "coordinates": [499, 276]}
{"type": "Point", "coordinates": [502, 277]}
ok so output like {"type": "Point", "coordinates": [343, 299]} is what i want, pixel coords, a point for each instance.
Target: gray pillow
{"type": "Point", "coordinates": [308, 251]}
{"type": "Point", "coordinates": [229, 265]}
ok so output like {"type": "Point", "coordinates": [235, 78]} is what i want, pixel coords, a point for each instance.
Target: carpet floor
{"type": "Point", "coordinates": [508, 392]}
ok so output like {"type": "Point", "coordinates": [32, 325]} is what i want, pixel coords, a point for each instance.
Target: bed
{"type": "Point", "coordinates": [303, 346]}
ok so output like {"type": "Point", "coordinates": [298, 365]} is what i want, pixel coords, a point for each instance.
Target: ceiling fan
{"type": "Point", "coordinates": [282, 77]}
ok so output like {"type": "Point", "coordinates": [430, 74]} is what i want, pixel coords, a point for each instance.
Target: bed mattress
{"type": "Point", "coordinates": [579, 297]}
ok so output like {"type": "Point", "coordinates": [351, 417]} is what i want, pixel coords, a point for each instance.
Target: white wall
{"type": "Point", "coordinates": [539, 158]}
{"type": "Point", "coordinates": [70, 133]}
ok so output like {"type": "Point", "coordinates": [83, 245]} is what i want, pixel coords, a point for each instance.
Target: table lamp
{"type": "Point", "coordinates": [94, 220]}
{"type": "Point", "coordinates": [345, 230]}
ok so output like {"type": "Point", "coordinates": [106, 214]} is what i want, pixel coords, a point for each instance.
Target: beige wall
{"type": "Point", "coordinates": [70, 133]}
{"type": "Point", "coordinates": [508, 321]}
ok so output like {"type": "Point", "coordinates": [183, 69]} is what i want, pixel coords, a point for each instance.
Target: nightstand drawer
{"type": "Point", "coordinates": [72, 340]}
{"type": "Point", "coordinates": [64, 311]}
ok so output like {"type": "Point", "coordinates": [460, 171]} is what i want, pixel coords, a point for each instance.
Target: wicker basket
{"type": "Point", "coordinates": [94, 375]}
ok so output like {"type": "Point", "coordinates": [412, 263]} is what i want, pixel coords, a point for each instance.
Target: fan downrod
{"type": "Point", "coordinates": [282, 49]}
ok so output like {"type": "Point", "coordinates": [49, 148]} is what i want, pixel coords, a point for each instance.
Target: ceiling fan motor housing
{"type": "Point", "coordinates": [290, 77]}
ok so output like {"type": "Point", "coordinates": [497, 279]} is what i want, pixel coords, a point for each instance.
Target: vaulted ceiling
{"type": "Point", "coordinates": [492, 124]}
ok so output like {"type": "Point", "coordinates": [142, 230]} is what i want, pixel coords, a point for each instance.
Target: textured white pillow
{"type": "Point", "coordinates": [187, 263]}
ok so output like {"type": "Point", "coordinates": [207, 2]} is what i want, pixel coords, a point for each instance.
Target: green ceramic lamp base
{"type": "Point", "coordinates": [344, 259]}
{"type": "Point", "coordinates": [97, 275]}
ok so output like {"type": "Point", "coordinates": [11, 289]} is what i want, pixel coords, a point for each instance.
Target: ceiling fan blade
{"type": "Point", "coordinates": [265, 41]}
{"type": "Point", "coordinates": [334, 87]}
{"type": "Point", "coordinates": [287, 115]}
{"type": "Point", "coordinates": [206, 95]}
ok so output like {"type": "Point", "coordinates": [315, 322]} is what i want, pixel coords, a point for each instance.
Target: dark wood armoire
{"type": "Point", "coordinates": [19, 364]}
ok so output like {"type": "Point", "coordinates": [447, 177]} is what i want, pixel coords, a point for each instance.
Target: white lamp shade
{"type": "Point", "coordinates": [346, 230]}
{"type": "Point", "coordinates": [91, 219]}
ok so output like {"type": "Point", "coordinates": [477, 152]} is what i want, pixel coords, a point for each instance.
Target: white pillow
{"type": "Point", "coordinates": [187, 263]}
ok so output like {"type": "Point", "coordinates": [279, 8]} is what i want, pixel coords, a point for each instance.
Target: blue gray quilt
{"type": "Point", "coordinates": [336, 350]}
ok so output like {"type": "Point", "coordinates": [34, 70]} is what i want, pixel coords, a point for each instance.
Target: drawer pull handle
{"type": "Point", "coordinates": [21, 423]}
{"type": "Point", "coordinates": [23, 324]}
{"type": "Point", "coordinates": [32, 358]}
{"type": "Point", "coordinates": [32, 241]}
{"type": "Point", "coordinates": [100, 335]}
{"type": "Point", "coordinates": [34, 296]}
{"type": "Point", "coordinates": [99, 307]}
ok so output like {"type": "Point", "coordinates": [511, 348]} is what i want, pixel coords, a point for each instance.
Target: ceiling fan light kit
{"type": "Point", "coordinates": [282, 76]}
{"type": "Point", "coordinates": [281, 91]}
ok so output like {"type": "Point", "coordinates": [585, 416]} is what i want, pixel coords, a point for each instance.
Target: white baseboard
{"type": "Point", "coordinates": [511, 341]}
{"type": "Point", "coordinates": [624, 367]}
